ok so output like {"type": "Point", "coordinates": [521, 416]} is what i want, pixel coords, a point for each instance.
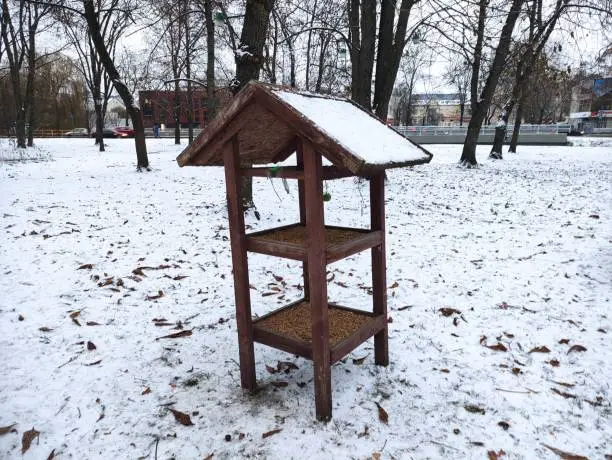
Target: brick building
{"type": "Point", "coordinates": [158, 106]}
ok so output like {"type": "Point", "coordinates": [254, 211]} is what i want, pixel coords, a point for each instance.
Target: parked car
{"type": "Point", "coordinates": [124, 131]}
{"type": "Point", "coordinates": [77, 132]}
{"type": "Point", "coordinates": [116, 132]}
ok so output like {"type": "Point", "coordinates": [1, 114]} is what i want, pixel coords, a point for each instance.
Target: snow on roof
{"type": "Point", "coordinates": [359, 132]}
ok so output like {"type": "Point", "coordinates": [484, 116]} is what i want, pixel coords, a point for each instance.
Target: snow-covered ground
{"type": "Point", "coordinates": [521, 248]}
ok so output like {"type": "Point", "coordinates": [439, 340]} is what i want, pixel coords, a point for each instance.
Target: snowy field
{"type": "Point", "coordinates": [499, 296]}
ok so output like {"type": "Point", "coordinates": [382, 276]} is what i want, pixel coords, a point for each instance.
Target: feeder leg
{"type": "Point", "coordinates": [241, 267]}
{"type": "Point", "coordinates": [379, 267]}
{"type": "Point", "coordinates": [317, 282]}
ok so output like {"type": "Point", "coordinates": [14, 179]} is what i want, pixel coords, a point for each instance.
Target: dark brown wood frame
{"type": "Point", "coordinates": [315, 254]}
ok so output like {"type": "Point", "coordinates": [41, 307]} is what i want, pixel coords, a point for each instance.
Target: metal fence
{"type": "Point", "coordinates": [410, 131]}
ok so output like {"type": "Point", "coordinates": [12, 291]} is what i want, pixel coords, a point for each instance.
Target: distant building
{"type": "Point", "coordinates": [438, 109]}
{"type": "Point", "coordinates": [158, 107]}
{"type": "Point", "coordinates": [591, 104]}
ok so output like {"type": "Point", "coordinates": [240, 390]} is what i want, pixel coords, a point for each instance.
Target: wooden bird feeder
{"type": "Point", "coordinates": [263, 125]}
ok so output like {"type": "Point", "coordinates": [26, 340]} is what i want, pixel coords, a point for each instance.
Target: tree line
{"type": "Point", "coordinates": [364, 49]}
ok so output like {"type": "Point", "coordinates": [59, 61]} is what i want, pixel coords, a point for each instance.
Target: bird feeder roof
{"type": "Point", "coordinates": [268, 119]}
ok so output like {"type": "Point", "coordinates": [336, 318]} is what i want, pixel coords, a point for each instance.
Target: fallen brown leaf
{"type": "Point", "coordinates": [382, 414]}
{"type": "Point", "coordinates": [94, 363]}
{"type": "Point", "coordinates": [564, 341]}
{"type": "Point", "coordinates": [554, 363]}
{"type": "Point", "coordinates": [565, 455]}
{"type": "Point", "coordinates": [51, 455]}
{"type": "Point", "coordinates": [267, 434]}
{"type": "Point", "coordinates": [359, 361]}
{"type": "Point", "coordinates": [76, 321]}
{"type": "Point", "coordinates": [376, 456]}
{"type": "Point", "coordinates": [209, 457]}
{"type": "Point", "coordinates": [576, 348]}
{"type": "Point", "coordinates": [271, 370]}
{"type": "Point", "coordinates": [92, 323]}
{"type": "Point", "coordinates": [394, 285]}
{"type": "Point", "coordinates": [146, 391]}
{"type": "Point", "coordinates": [74, 314]}
{"type": "Point", "coordinates": [180, 277]}
{"type": "Point", "coordinates": [28, 437]}
{"type": "Point", "coordinates": [446, 311]}
{"type": "Point", "coordinates": [6, 429]}
{"type": "Point", "coordinates": [176, 335]}
{"type": "Point", "coordinates": [45, 329]}
{"type": "Point", "coordinates": [542, 349]}
{"type": "Point", "coordinates": [365, 432]}
{"type": "Point", "coordinates": [497, 347]}
{"type": "Point", "coordinates": [181, 417]}
{"type": "Point", "coordinates": [90, 346]}
{"type": "Point", "coordinates": [85, 267]}
{"type": "Point", "coordinates": [495, 455]}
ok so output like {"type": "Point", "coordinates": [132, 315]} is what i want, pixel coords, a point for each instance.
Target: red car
{"type": "Point", "coordinates": [123, 131]}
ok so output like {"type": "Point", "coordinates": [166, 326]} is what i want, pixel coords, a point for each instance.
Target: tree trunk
{"type": "Point", "coordinates": [142, 159]}
{"type": "Point", "coordinates": [461, 113]}
{"type": "Point", "coordinates": [324, 44]}
{"type": "Point", "coordinates": [390, 49]}
{"type": "Point", "coordinates": [362, 18]}
{"type": "Point", "coordinates": [249, 63]}
{"type": "Point", "coordinates": [468, 155]}
{"type": "Point", "coordinates": [308, 46]}
{"type": "Point", "coordinates": [29, 96]}
{"type": "Point", "coordinates": [99, 122]}
{"type": "Point", "coordinates": [517, 126]}
{"type": "Point", "coordinates": [188, 75]}
{"type": "Point", "coordinates": [177, 113]}
{"type": "Point", "coordinates": [211, 101]}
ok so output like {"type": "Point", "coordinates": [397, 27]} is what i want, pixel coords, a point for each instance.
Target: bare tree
{"type": "Point", "coordinates": [19, 29]}
{"type": "Point", "coordinates": [92, 14]}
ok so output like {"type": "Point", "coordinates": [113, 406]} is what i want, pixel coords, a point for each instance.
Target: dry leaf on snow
{"type": "Point", "coordinates": [271, 433]}
{"type": "Point", "coordinates": [474, 409]}
{"type": "Point", "coordinates": [446, 311]}
{"type": "Point", "coordinates": [85, 267]}
{"type": "Point", "coordinates": [543, 349]}
{"type": "Point", "coordinates": [51, 455]}
{"type": "Point", "coordinates": [576, 348]}
{"type": "Point", "coordinates": [176, 335]}
{"type": "Point", "coordinates": [565, 455]}
{"type": "Point", "coordinates": [181, 417]}
{"type": "Point", "coordinates": [159, 295]}
{"type": "Point", "coordinates": [90, 346]}
{"type": "Point", "coordinates": [6, 429]}
{"type": "Point", "coordinates": [28, 437]}
{"type": "Point", "coordinates": [496, 455]}
{"type": "Point", "coordinates": [382, 414]}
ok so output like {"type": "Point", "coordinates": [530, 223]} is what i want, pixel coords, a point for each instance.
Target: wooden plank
{"type": "Point", "coordinates": [270, 230]}
{"type": "Point", "coordinates": [276, 248]}
{"type": "Point", "coordinates": [357, 244]}
{"type": "Point", "coordinates": [240, 266]}
{"type": "Point", "coordinates": [299, 155]}
{"type": "Point", "coordinates": [379, 267]}
{"type": "Point", "coordinates": [315, 226]}
{"type": "Point", "coordinates": [281, 342]}
{"type": "Point", "coordinates": [370, 328]}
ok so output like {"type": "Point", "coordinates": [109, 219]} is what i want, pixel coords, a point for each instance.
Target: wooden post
{"type": "Point", "coordinates": [379, 268]}
{"type": "Point", "coordinates": [315, 226]}
{"type": "Point", "coordinates": [231, 159]}
{"type": "Point", "coordinates": [301, 198]}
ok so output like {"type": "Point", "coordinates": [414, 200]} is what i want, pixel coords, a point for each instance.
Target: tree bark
{"type": "Point", "coordinates": [362, 19]}
{"type": "Point", "coordinates": [142, 159]}
{"type": "Point", "coordinates": [177, 113]}
{"type": "Point", "coordinates": [249, 60]}
{"type": "Point", "coordinates": [211, 108]}
{"type": "Point", "coordinates": [517, 126]}
{"type": "Point", "coordinates": [390, 49]}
